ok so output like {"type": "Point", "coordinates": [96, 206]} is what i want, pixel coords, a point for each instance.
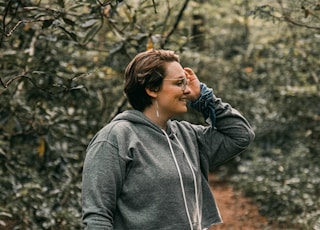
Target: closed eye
{"type": "Point", "coordinates": [180, 82]}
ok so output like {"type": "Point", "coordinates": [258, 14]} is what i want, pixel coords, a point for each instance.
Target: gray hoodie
{"type": "Point", "coordinates": [138, 176]}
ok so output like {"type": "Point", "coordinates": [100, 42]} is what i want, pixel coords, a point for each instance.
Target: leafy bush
{"type": "Point", "coordinates": [44, 138]}
{"type": "Point", "coordinates": [284, 183]}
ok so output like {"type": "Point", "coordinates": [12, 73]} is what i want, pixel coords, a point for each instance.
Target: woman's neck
{"type": "Point", "coordinates": [156, 117]}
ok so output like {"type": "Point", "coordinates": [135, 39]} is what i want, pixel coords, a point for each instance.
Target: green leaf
{"type": "Point", "coordinates": [91, 33]}
{"type": "Point", "coordinates": [68, 21]}
{"type": "Point", "coordinates": [89, 23]}
{"type": "Point", "coordinates": [72, 35]}
{"type": "Point", "coordinates": [79, 87]}
{"type": "Point", "coordinates": [47, 23]}
{"type": "Point", "coordinates": [61, 3]}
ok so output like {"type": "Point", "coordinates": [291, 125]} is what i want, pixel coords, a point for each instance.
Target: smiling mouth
{"type": "Point", "coordinates": [184, 99]}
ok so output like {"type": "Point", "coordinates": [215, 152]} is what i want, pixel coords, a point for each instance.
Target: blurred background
{"type": "Point", "coordinates": [61, 78]}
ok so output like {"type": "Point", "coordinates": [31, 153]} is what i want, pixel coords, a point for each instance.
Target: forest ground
{"type": "Point", "coordinates": [236, 210]}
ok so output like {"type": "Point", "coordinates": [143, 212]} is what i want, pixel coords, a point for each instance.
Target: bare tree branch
{"type": "Point", "coordinates": [154, 7]}
{"type": "Point", "coordinates": [175, 25]}
{"type": "Point", "coordinates": [4, 22]}
{"type": "Point", "coordinates": [289, 20]}
{"type": "Point", "coordinates": [6, 84]}
{"type": "Point", "coordinates": [265, 10]}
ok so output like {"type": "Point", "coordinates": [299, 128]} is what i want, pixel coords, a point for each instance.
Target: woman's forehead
{"type": "Point", "coordinates": [174, 70]}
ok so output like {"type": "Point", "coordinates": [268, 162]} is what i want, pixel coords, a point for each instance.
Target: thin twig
{"type": "Point", "coordinates": [9, 34]}
{"type": "Point", "coordinates": [289, 20]}
{"type": "Point", "coordinates": [118, 107]}
{"type": "Point", "coordinates": [5, 85]}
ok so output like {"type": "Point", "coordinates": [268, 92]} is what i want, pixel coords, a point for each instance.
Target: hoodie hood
{"type": "Point", "coordinates": [137, 117]}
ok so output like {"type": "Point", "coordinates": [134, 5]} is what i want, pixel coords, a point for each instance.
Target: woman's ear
{"type": "Point", "coordinates": [151, 93]}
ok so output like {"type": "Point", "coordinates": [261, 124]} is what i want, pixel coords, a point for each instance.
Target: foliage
{"type": "Point", "coordinates": [280, 171]}
{"type": "Point", "coordinates": [286, 190]}
{"type": "Point", "coordinates": [61, 81]}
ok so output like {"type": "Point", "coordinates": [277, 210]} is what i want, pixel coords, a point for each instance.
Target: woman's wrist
{"type": "Point", "coordinates": [205, 103]}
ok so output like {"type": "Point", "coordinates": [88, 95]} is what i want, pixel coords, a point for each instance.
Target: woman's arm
{"type": "Point", "coordinates": [229, 132]}
{"type": "Point", "coordinates": [101, 183]}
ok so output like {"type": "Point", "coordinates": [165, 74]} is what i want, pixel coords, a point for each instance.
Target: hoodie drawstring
{"type": "Point", "coordinates": [181, 181]}
{"type": "Point", "coordinates": [195, 182]}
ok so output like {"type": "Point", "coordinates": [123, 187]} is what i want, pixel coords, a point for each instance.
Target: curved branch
{"type": "Point", "coordinates": [122, 101]}
{"type": "Point", "coordinates": [5, 85]}
{"type": "Point", "coordinates": [283, 17]}
{"type": "Point", "coordinates": [289, 20]}
{"type": "Point", "coordinates": [4, 22]}
{"type": "Point", "coordinates": [175, 25]}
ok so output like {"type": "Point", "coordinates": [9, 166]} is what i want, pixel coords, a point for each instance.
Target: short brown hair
{"type": "Point", "coordinates": [146, 70]}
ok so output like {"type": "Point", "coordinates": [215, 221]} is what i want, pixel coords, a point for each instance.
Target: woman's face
{"type": "Point", "coordinates": [172, 96]}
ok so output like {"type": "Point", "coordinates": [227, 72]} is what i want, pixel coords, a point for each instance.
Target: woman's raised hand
{"type": "Point", "coordinates": [194, 84]}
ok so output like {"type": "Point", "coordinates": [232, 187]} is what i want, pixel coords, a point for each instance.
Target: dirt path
{"type": "Point", "coordinates": [237, 212]}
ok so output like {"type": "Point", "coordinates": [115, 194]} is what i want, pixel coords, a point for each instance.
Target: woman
{"type": "Point", "coordinates": [145, 171]}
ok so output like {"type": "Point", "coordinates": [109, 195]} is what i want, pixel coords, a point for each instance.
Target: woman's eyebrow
{"type": "Point", "coordinates": [181, 77]}
{"type": "Point", "coordinates": [176, 78]}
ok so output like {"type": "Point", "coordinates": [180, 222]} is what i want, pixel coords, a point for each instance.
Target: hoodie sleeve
{"type": "Point", "coordinates": [229, 132]}
{"type": "Point", "coordinates": [102, 167]}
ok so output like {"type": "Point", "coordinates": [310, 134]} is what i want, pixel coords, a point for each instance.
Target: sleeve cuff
{"type": "Point", "coordinates": [205, 104]}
